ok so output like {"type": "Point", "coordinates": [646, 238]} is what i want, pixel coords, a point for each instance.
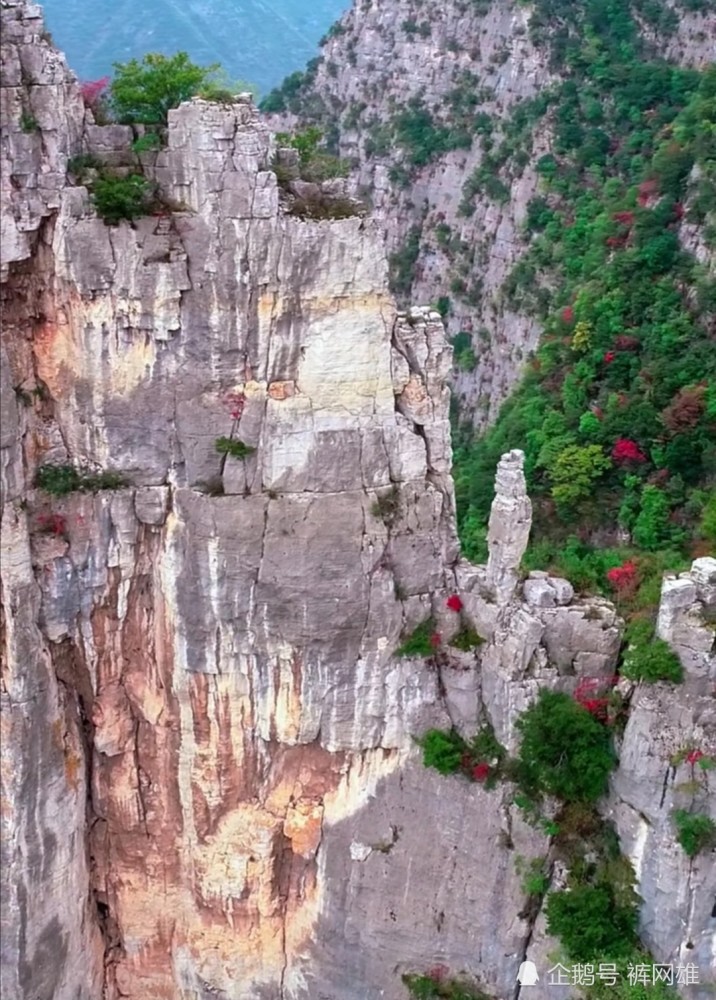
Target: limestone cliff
{"type": "Point", "coordinates": [210, 781]}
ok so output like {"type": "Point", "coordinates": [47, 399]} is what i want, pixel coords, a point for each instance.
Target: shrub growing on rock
{"type": "Point", "coordinates": [117, 198]}
{"type": "Point", "coordinates": [420, 642]}
{"type": "Point", "coordinates": [647, 658]}
{"type": "Point", "coordinates": [694, 831]}
{"type": "Point", "coordinates": [591, 923]}
{"type": "Point", "coordinates": [233, 447]}
{"type": "Point", "coordinates": [59, 480]}
{"type": "Point", "coordinates": [564, 751]}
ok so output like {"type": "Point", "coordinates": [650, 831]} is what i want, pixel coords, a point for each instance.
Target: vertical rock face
{"type": "Point", "coordinates": [677, 917]}
{"type": "Point", "coordinates": [509, 528]}
{"type": "Point", "coordinates": [210, 781]}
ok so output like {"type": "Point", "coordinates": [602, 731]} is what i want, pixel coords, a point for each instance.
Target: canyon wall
{"type": "Point", "coordinates": [211, 786]}
{"type": "Point", "coordinates": [456, 62]}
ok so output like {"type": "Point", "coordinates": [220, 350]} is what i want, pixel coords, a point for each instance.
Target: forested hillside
{"type": "Point", "coordinates": [615, 407]}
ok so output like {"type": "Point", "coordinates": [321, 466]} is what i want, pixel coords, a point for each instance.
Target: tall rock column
{"type": "Point", "coordinates": [509, 529]}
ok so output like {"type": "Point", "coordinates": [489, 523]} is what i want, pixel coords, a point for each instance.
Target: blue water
{"type": "Point", "coordinates": [257, 41]}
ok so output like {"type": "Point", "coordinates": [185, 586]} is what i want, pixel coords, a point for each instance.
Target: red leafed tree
{"type": "Point", "coordinates": [454, 602]}
{"type": "Point", "coordinates": [94, 90]}
{"type": "Point", "coordinates": [624, 579]}
{"type": "Point", "coordinates": [625, 450]}
{"type": "Point", "coordinates": [685, 409]}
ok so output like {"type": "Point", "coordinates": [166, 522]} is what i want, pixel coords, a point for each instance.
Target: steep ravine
{"type": "Point", "coordinates": [210, 782]}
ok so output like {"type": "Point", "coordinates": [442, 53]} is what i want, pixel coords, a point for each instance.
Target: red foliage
{"type": "Point", "coordinates": [647, 189]}
{"type": "Point", "coordinates": [626, 343]}
{"type": "Point", "coordinates": [235, 401]}
{"type": "Point", "coordinates": [435, 640]}
{"type": "Point", "coordinates": [609, 357]}
{"type": "Point", "coordinates": [678, 210]}
{"type": "Point", "coordinates": [624, 578]}
{"type": "Point", "coordinates": [587, 695]}
{"type": "Point", "coordinates": [93, 90]}
{"type": "Point", "coordinates": [694, 756]}
{"type": "Point", "coordinates": [437, 973]}
{"type": "Point", "coordinates": [685, 409]}
{"type": "Point", "coordinates": [626, 218]}
{"type": "Point", "coordinates": [616, 241]}
{"type": "Point", "coordinates": [567, 314]}
{"type": "Point", "coordinates": [481, 771]}
{"type": "Point", "coordinates": [454, 603]}
{"type": "Point", "coordinates": [625, 450]}
{"type": "Point", "coordinates": [52, 524]}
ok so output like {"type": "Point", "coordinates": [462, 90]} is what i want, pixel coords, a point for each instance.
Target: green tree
{"type": "Point", "coordinates": [707, 526]}
{"type": "Point", "coordinates": [652, 528]}
{"type": "Point", "coordinates": [117, 198]}
{"type": "Point", "coordinates": [144, 92]}
{"type": "Point", "coordinates": [574, 471]}
{"type": "Point", "coordinates": [591, 923]}
{"type": "Point", "coordinates": [564, 751]}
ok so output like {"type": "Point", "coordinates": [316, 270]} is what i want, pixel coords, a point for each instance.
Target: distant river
{"type": "Point", "coordinates": [259, 41]}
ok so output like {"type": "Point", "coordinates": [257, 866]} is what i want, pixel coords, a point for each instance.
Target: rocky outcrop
{"type": "Point", "coordinates": [212, 786]}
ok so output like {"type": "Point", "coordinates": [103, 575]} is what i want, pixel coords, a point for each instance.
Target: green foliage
{"type": "Point", "coordinates": [443, 750]}
{"type": "Point", "coordinates": [432, 987]}
{"type": "Point", "coordinates": [574, 470]}
{"type": "Point", "coordinates": [80, 164]}
{"type": "Point", "coordinates": [707, 526]}
{"type": "Point", "coordinates": [464, 355]}
{"type": "Point", "coordinates": [117, 198]}
{"type": "Point", "coordinates": [286, 97]}
{"type": "Point", "coordinates": [402, 262]}
{"type": "Point", "coordinates": [591, 923]}
{"type": "Point", "coordinates": [647, 658]}
{"type": "Point", "coordinates": [625, 990]}
{"type": "Point", "coordinates": [626, 349]}
{"type": "Point", "coordinates": [466, 640]}
{"type": "Point", "coordinates": [230, 446]}
{"type": "Point", "coordinates": [564, 751]}
{"type": "Point", "coordinates": [694, 831]}
{"type": "Point", "coordinates": [418, 642]}
{"type": "Point", "coordinates": [314, 163]}
{"type": "Point", "coordinates": [652, 529]}
{"type": "Point", "coordinates": [59, 480]}
{"type": "Point", "coordinates": [28, 122]}
{"type": "Point", "coordinates": [144, 92]}
{"type": "Point", "coordinates": [147, 143]}
{"type": "Point", "coordinates": [535, 875]}
{"type": "Point", "coordinates": [417, 132]}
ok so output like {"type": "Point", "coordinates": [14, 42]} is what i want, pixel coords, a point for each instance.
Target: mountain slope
{"type": "Point", "coordinates": [259, 41]}
{"type": "Point", "coordinates": [542, 170]}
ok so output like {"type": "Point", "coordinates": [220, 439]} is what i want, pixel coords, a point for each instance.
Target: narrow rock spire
{"type": "Point", "coordinates": [509, 529]}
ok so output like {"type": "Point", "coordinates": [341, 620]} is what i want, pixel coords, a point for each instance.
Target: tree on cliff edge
{"type": "Point", "coordinates": [144, 92]}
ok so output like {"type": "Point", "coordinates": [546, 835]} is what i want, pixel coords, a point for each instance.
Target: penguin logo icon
{"type": "Point", "coordinates": [527, 976]}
